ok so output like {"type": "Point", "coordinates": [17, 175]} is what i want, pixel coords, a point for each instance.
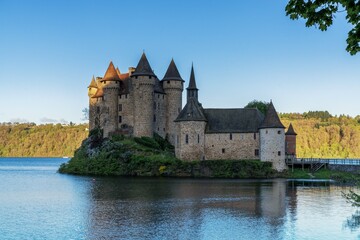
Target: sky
{"type": "Point", "coordinates": [241, 50]}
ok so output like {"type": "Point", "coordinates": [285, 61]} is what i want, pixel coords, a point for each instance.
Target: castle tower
{"type": "Point", "coordinates": [111, 87]}
{"type": "Point", "coordinates": [92, 89]}
{"type": "Point", "coordinates": [143, 82]}
{"type": "Point", "coordinates": [190, 126]}
{"type": "Point", "coordinates": [272, 140]}
{"type": "Point", "coordinates": [290, 141]}
{"type": "Point", "coordinates": [173, 86]}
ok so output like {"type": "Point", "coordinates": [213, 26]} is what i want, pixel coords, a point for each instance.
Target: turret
{"type": "Point", "coordinates": [272, 140]}
{"type": "Point", "coordinates": [192, 90]}
{"type": "Point", "coordinates": [111, 86]}
{"type": "Point", "coordinates": [290, 141]}
{"type": "Point", "coordinates": [173, 86]}
{"type": "Point", "coordinates": [92, 89]}
{"type": "Point", "coordinates": [190, 126]}
{"type": "Point", "coordinates": [143, 82]}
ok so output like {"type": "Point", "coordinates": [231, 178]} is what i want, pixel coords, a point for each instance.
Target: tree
{"type": "Point", "coordinates": [260, 105]}
{"type": "Point", "coordinates": [85, 112]}
{"type": "Point", "coordinates": [320, 13]}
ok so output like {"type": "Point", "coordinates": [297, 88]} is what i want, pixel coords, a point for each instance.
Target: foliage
{"type": "Point", "coordinates": [260, 105]}
{"type": "Point", "coordinates": [47, 140]}
{"type": "Point", "coordinates": [352, 198]}
{"type": "Point", "coordinates": [320, 13]}
{"type": "Point", "coordinates": [125, 156]}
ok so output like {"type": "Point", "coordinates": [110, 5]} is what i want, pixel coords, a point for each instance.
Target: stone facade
{"type": "Point", "coordinates": [232, 146]}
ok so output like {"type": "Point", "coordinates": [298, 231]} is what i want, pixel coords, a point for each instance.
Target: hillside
{"type": "Point", "coordinates": [319, 135]}
{"type": "Point", "coordinates": [48, 140]}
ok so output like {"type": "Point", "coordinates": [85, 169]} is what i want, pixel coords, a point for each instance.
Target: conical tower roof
{"type": "Point", "coordinates": [93, 83]}
{"type": "Point", "coordinates": [290, 130]}
{"type": "Point", "coordinates": [192, 82]}
{"type": "Point", "coordinates": [143, 68]}
{"type": "Point", "coordinates": [172, 72]}
{"type": "Point", "coordinates": [271, 120]}
{"type": "Point", "coordinates": [111, 74]}
{"type": "Point", "coordinates": [191, 112]}
{"type": "Point", "coordinates": [118, 72]}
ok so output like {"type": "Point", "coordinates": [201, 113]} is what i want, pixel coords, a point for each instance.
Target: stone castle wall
{"type": "Point", "coordinates": [111, 92]}
{"type": "Point", "coordinates": [143, 106]}
{"type": "Point", "coordinates": [173, 90]}
{"type": "Point", "coordinates": [272, 147]}
{"type": "Point", "coordinates": [159, 111]}
{"type": "Point", "coordinates": [125, 111]}
{"type": "Point", "coordinates": [190, 140]}
{"type": "Point", "coordinates": [231, 146]}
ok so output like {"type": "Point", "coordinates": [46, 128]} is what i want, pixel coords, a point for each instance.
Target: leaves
{"type": "Point", "coordinates": [320, 13]}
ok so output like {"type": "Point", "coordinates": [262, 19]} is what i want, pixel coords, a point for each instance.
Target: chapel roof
{"type": "Point", "coordinates": [237, 120]}
{"type": "Point", "coordinates": [93, 83]}
{"type": "Point", "coordinates": [191, 112]}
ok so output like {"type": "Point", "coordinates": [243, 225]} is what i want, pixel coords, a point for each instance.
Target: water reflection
{"type": "Point", "coordinates": [188, 208]}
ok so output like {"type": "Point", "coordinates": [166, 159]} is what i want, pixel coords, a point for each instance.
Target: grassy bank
{"type": "Point", "coordinates": [122, 156]}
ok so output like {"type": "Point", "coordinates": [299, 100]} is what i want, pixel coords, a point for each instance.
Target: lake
{"type": "Point", "coordinates": [36, 202]}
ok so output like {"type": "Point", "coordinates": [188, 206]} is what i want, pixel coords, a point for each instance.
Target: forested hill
{"type": "Point", "coordinates": [30, 140]}
{"type": "Point", "coordinates": [322, 135]}
{"type": "Point", "coordinates": [319, 135]}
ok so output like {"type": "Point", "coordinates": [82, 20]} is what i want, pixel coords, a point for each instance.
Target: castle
{"type": "Point", "coordinates": [137, 103]}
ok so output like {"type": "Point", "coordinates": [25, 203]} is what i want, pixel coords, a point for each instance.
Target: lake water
{"type": "Point", "coordinates": [38, 203]}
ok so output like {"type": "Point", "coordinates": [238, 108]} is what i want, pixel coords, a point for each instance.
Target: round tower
{"type": "Point", "coordinates": [290, 141]}
{"type": "Point", "coordinates": [111, 86]}
{"type": "Point", "coordinates": [92, 89]}
{"type": "Point", "coordinates": [173, 86]}
{"type": "Point", "coordinates": [143, 82]}
{"type": "Point", "coordinates": [272, 140]}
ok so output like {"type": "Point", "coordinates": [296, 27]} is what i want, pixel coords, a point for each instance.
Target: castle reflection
{"type": "Point", "coordinates": [148, 208]}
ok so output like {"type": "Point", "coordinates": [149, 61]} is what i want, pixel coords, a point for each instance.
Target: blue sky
{"type": "Point", "coordinates": [242, 50]}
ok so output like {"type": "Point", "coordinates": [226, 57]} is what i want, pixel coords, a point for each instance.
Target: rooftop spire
{"type": "Point", "coordinates": [143, 68]}
{"type": "Point", "coordinates": [271, 120]}
{"type": "Point", "coordinates": [111, 74]}
{"type": "Point", "coordinates": [172, 72]}
{"type": "Point", "coordinates": [192, 82]}
{"type": "Point", "coordinates": [290, 130]}
{"type": "Point", "coordinates": [93, 83]}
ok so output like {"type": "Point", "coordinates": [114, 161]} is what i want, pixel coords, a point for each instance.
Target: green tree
{"type": "Point", "coordinates": [320, 13]}
{"type": "Point", "coordinates": [260, 105]}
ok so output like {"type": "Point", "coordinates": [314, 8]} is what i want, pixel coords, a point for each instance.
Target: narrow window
{"type": "Point", "coordinates": [163, 96]}
{"type": "Point", "coordinates": [266, 132]}
{"type": "Point", "coordinates": [120, 107]}
{"type": "Point", "coordinates": [254, 135]}
{"type": "Point", "coordinates": [154, 118]}
{"type": "Point", "coordinates": [198, 138]}
{"type": "Point", "coordinates": [158, 129]}
{"type": "Point", "coordinates": [120, 119]}
{"type": "Point", "coordinates": [158, 95]}
{"type": "Point", "coordinates": [120, 96]}
{"type": "Point", "coordinates": [230, 136]}
{"type": "Point", "coordinates": [136, 77]}
{"type": "Point", "coordinates": [223, 150]}
{"type": "Point", "coordinates": [168, 82]}
{"type": "Point", "coordinates": [256, 152]}
{"type": "Point", "coordinates": [279, 153]}
{"type": "Point", "coordinates": [154, 105]}
{"type": "Point", "coordinates": [126, 96]}
{"type": "Point", "coordinates": [158, 105]}
{"type": "Point", "coordinates": [186, 139]}
{"type": "Point", "coordinates": [149, 77]}
{"type": "Point", "coordinates": [164, 129]}
{"type": "Point", "coordinates": [279, 132]}
{"type": "Point", "coordinates": [97, 110]}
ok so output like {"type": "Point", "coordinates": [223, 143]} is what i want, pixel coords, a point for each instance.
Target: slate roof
{"type": "Point", "coordinates": [172, 72]}
{"type": "Point", "coordinates": [111, 74]}
{"type": "Point", "coordinates": [271, 120]}
{"type": "Point", "coordinates": [238, 120]}
{"type": "Point", "coordinates": [192, 82]}
{"type": "Point", "coordinates": [191, 112]}
{"type": "Point", "coordinates": [93, 83]}
{"type": "Point", "coordinates": [290, 130]}
{"type": "Point", "coordinates": [143, 68]}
